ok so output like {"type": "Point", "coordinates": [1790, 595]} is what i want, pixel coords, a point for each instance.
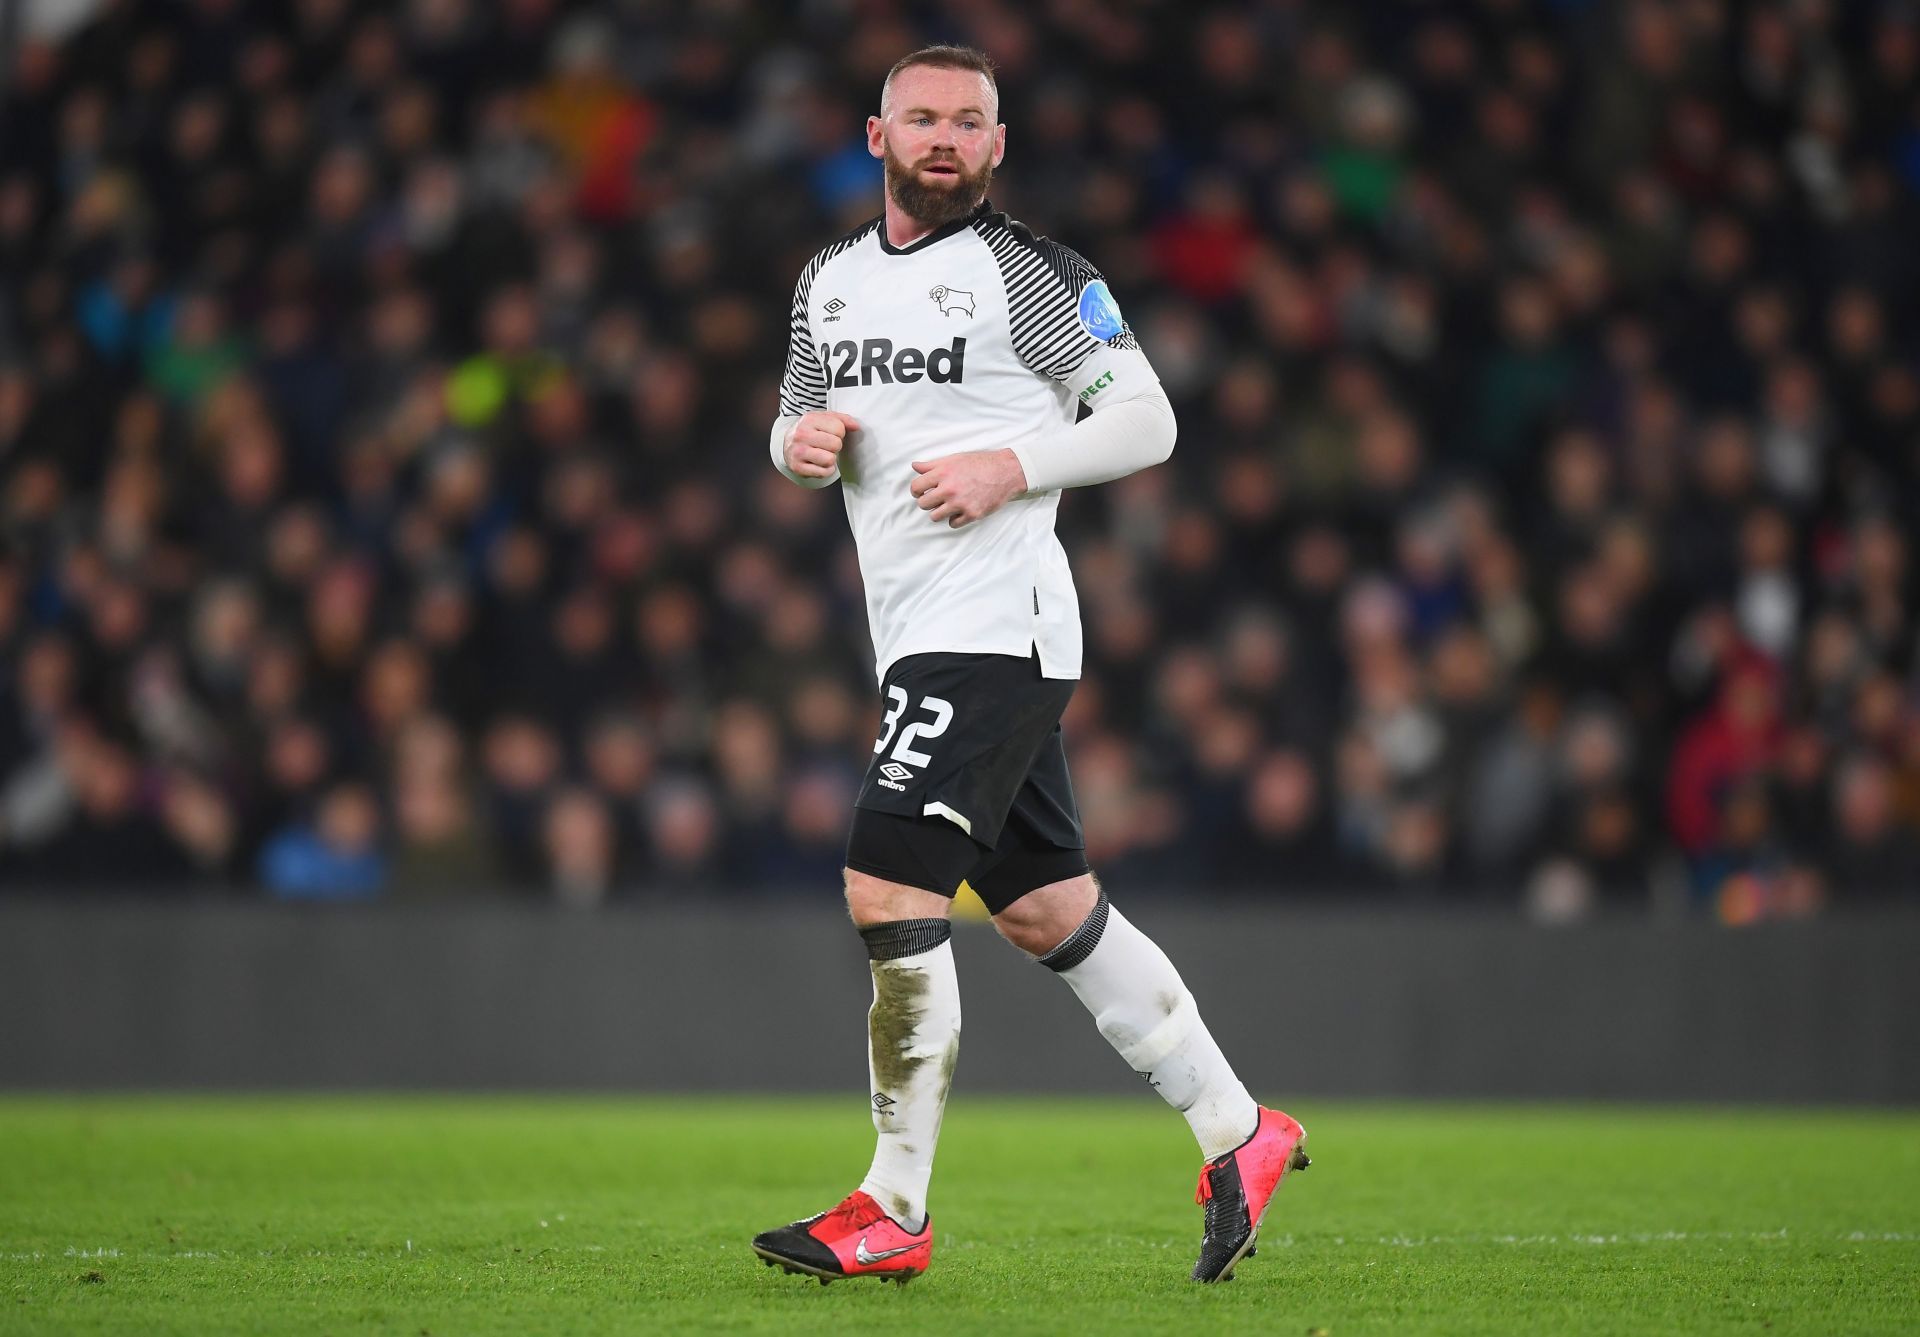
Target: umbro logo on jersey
{"type": "Point", "coordinates": [892, 774]}
{"type": "Point", "coordinates": [876, 361]}
{"type": "Point", "coordinates": [834, 307]}
{"type": "Point", "coordinates": [950, 300]}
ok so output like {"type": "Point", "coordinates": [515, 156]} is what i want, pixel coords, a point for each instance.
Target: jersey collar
{"type": "Point", "coordinates": [984, 208]}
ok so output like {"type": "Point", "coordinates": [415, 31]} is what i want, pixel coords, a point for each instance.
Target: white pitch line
{"type": "Point", "coordinates": [1513, 1240]}
{"type": "Point", "coordinates": [1586, 1240]}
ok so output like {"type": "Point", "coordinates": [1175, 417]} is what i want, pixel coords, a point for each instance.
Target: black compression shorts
{"type": "Point", "coordinates": [969, 780]}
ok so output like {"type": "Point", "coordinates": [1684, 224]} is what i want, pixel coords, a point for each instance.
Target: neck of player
{"type": "Point", "coordinates": [903, 229]}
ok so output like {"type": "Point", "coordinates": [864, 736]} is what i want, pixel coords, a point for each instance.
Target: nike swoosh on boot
{"type": "Point", "coordinates": [865, 1259]}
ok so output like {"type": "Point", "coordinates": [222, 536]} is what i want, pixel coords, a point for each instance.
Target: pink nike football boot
{"type": "Point", "coordinates": [855, 1239]}
{"type": "Point", "coordinates": [1237, 1188]}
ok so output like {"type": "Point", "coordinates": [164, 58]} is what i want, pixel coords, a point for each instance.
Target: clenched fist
{"type": "Point", "coordinates": [813, 445]}
{"type": "Point", "coordinates": [967, 487]}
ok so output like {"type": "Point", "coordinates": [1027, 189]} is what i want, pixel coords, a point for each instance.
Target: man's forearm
{"type": "Point", "coordinates": [1117, 439]}
{"type": "Point", "coordinates": [777, 448]}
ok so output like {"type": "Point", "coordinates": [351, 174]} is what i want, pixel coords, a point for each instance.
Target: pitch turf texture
{"type": "Point", "coordinates": [480, 1215]}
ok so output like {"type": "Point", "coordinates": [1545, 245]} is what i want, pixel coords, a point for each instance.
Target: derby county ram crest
{"type": "Point", "coordinates": [950, 300]}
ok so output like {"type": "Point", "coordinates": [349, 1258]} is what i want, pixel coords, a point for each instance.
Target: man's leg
{"type": "Point", "coordinates": [913, 1036]}
{"type": "Point", "coordinates": [896, 868]}
{"type": "Point", "coordinates": [1139, 1002]}
{"type": "Point", "coordinates": [1145, 1011]}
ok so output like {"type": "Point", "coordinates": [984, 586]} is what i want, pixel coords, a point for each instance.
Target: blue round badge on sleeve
{"type": "Point", "coordinates": [1099, 313]}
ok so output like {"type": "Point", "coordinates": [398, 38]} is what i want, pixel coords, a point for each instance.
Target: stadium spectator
{"type": "Point", "coordinates": [336, 856]}
{"type": "Point", "coordinates": [382, 403]}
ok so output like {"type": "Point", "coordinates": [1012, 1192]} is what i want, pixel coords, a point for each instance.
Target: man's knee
{"type": "Point", "coordinates": [874, 900]}
{"type": "Point", "coordinates": [1047, 916]}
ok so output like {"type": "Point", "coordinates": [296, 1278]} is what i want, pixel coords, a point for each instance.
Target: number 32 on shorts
{"type": "Point", "coordinates": [904, 750]}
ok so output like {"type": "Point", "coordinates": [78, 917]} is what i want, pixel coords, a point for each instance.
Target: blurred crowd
{"type": "Point", "coordinates": [385, 511]}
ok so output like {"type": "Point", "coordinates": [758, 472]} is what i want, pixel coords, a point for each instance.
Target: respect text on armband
{"type": "Point", "coordinates": [1106, 379]}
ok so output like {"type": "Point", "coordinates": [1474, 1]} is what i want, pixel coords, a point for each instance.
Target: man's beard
{"type": "Point", "coordinates": [936, 206]}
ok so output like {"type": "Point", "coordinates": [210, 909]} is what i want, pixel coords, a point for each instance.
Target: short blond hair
{"type": "Point", "coordinates": [944, 58]}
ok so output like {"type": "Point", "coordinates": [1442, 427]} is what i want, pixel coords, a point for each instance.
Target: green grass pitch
{"type": "Point", "coordinates": [456, 1215]}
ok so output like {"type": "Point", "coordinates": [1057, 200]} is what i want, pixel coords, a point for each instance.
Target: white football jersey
{"type": "Point", "coordinates": [976, 337]}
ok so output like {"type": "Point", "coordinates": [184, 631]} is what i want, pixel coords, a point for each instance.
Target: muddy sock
{"type": "Point", "coordinates": [913, 1041]}
{"type": "Point", "coordinates": [1142, 1007]}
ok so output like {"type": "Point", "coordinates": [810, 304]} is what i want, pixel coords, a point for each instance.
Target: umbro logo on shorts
{"type": "Point", "coordinates": [893, 773]}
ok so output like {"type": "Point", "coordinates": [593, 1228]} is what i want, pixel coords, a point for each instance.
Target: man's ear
{"type": "Point", "coordinates": [876, 138]}
{"type": "Point", "coordinates": [999, 143]}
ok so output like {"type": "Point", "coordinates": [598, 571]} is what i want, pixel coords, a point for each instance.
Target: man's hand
{"type": "Point", "coordinates": [813, 445]}
{"type": "Point", "coordinates": [963, 488]}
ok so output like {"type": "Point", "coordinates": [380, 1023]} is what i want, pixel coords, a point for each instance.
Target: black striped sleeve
{"type": "Point", "coordinates": [803, 388]}
{"type": "Point", "coordinates": [1044, 281]}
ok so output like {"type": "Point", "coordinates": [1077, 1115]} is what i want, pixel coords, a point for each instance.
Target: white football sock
{"type": "Point", "coordinates": [1142, 1007]}
{"type": "Point", "coordinates": [913, 1042]}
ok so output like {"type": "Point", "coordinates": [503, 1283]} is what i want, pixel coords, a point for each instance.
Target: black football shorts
{"type": "Point", "coordinates": [969, 780]}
